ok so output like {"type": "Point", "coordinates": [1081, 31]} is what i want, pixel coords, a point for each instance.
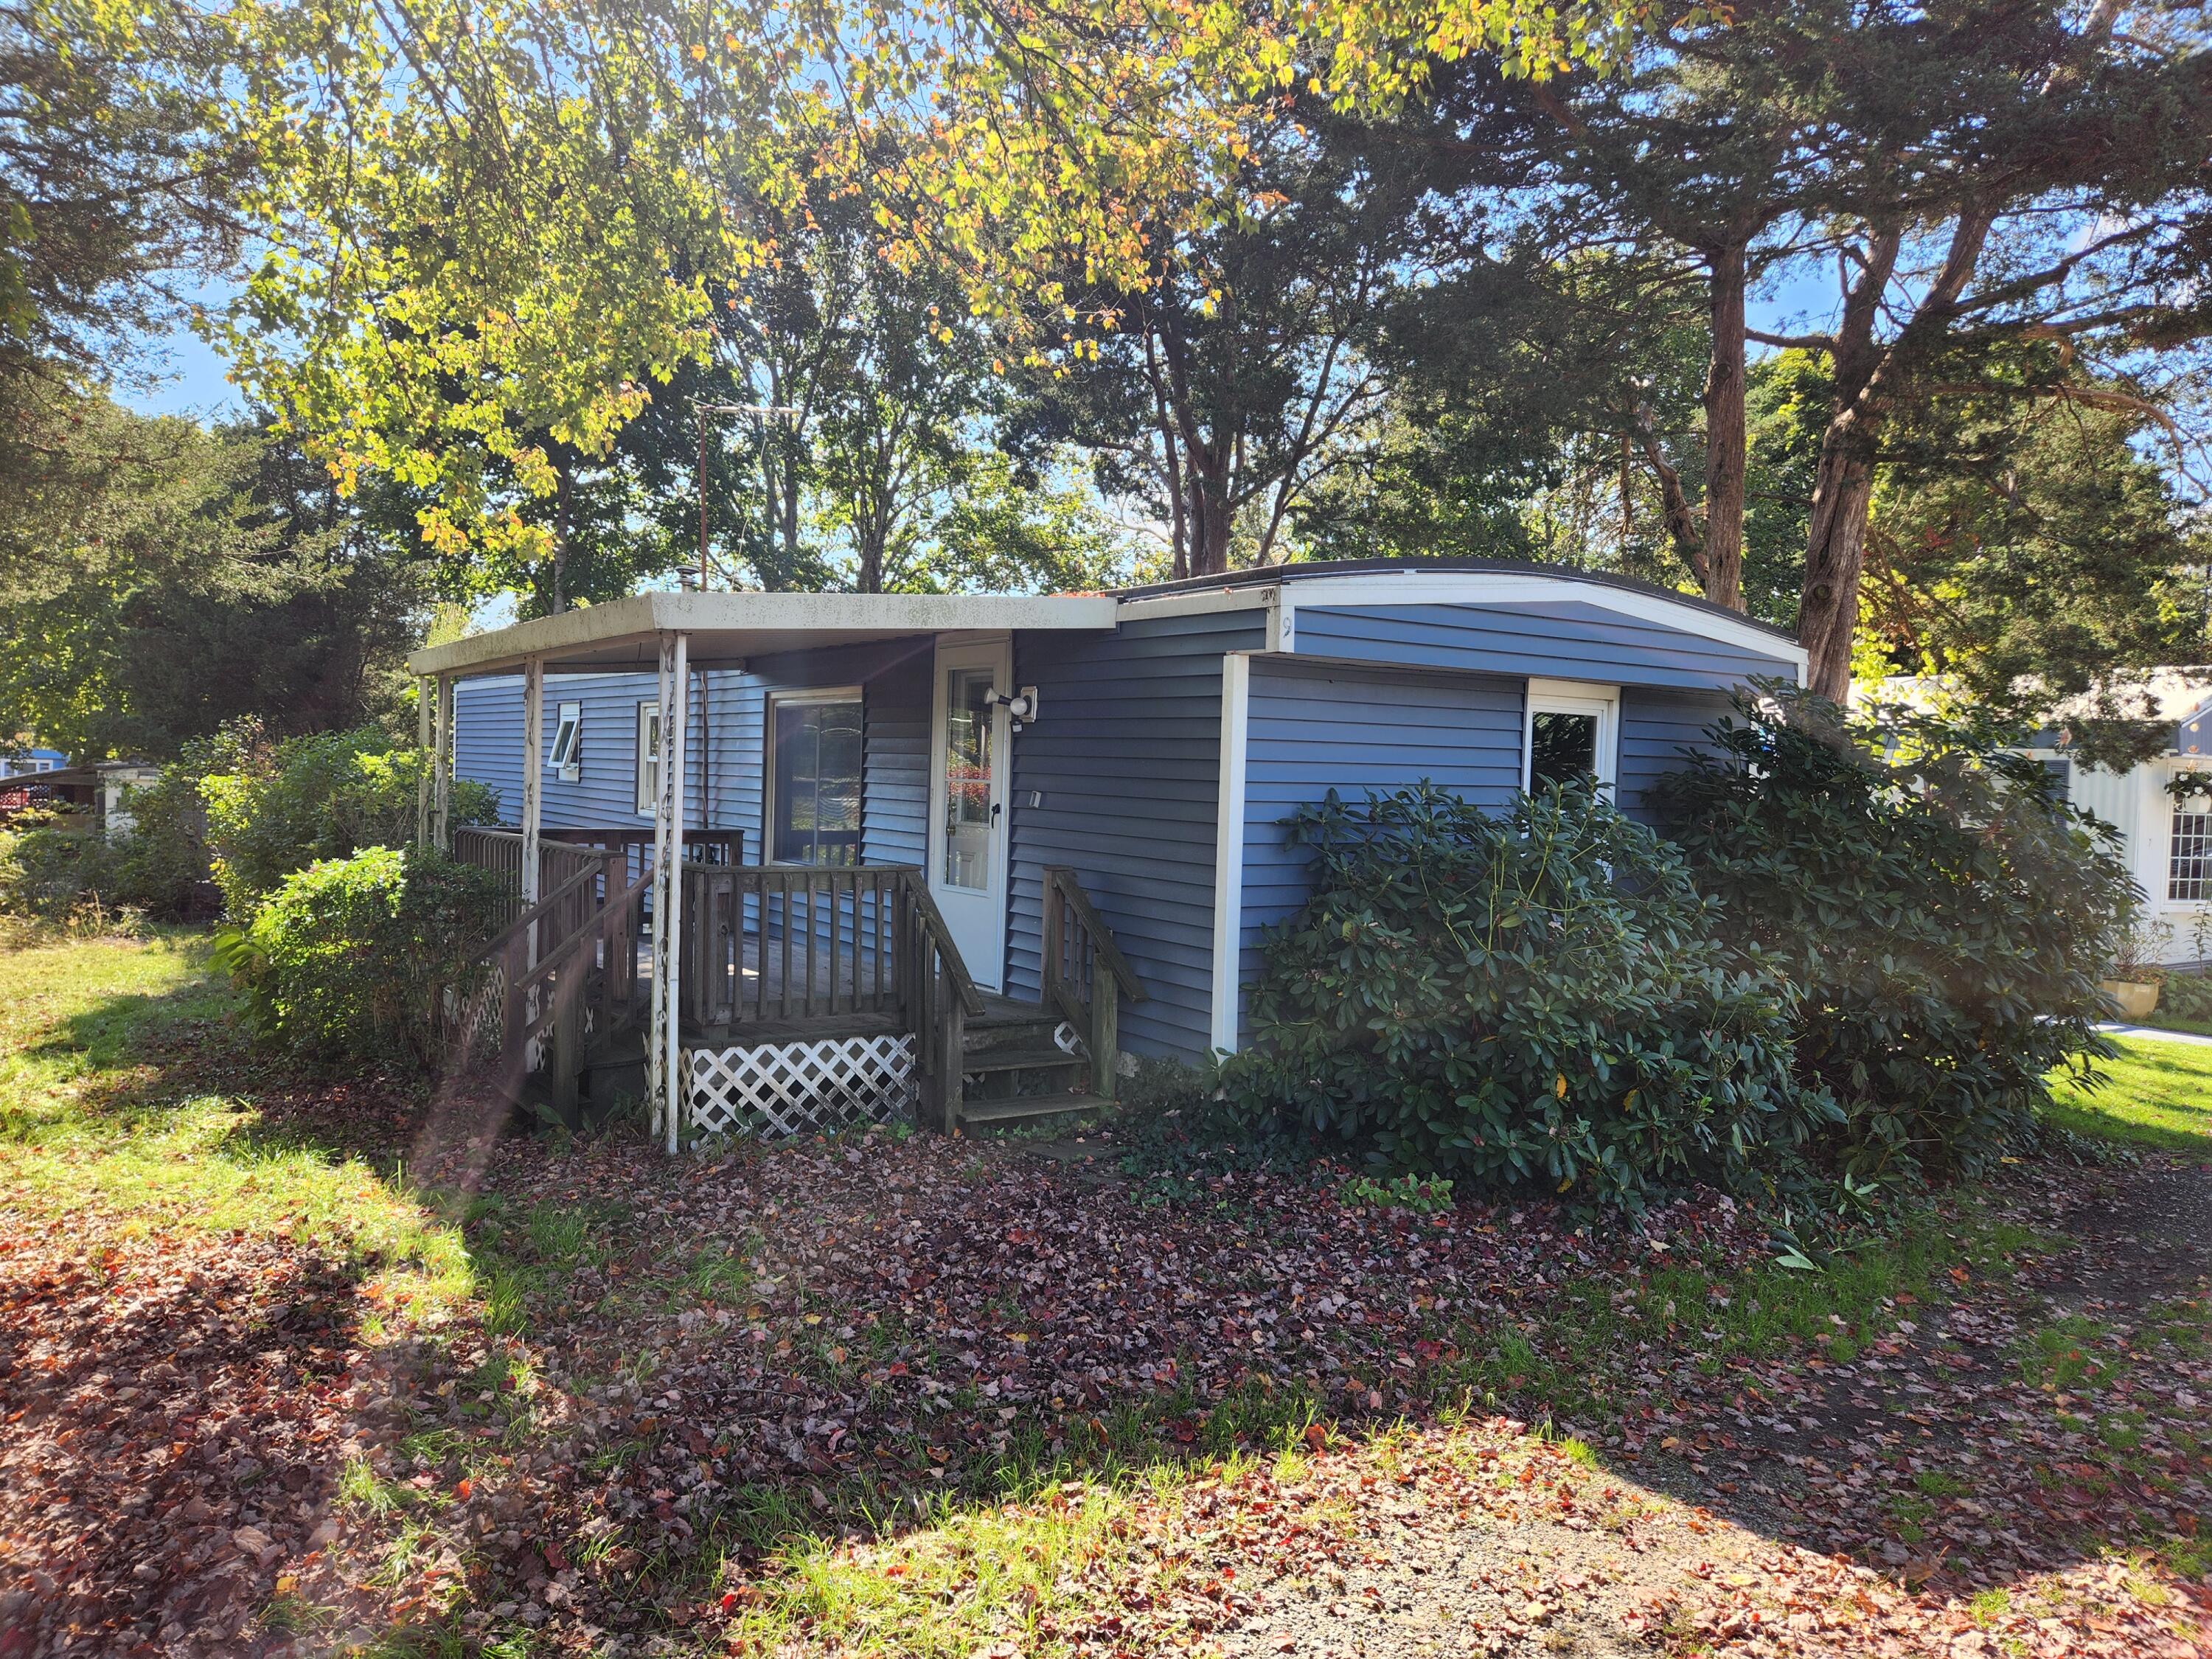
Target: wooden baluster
{"type": "Point", "coordinates": [783, 991]}
{"type": "Point", "coordinates": [759, 883]}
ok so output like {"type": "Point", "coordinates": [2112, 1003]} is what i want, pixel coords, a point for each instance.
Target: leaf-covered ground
{"type": "Point", "coordinates": [287, 1365]}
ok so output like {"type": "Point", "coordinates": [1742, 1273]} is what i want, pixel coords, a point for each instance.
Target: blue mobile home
{"type": "Point", "coordinates": [1120, 763]}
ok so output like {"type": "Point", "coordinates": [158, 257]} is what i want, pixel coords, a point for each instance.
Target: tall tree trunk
{"type": "Point", "coordinates": [1835, 555]}
{"type": "Point", "coordinates": [1725, 459]}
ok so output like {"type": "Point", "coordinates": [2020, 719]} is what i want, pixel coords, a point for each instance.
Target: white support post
{"type": "Point", "coordinates": [533, 785]}
{"type": "Point", "coordinates": [442, 770]}
{"type": "Point", "coordinates": [664, 1080]}
{"type": "Point", "coordinates": [675, 716]}
{"type": "Point", "coordinates": [426, 704]}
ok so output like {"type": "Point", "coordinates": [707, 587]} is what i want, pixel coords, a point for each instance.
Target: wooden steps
{"type": "Point", "coordinates": [1021, 1107]}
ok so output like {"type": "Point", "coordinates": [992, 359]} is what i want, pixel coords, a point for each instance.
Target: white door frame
{"type": "Point", "coordinates": [996, 653]}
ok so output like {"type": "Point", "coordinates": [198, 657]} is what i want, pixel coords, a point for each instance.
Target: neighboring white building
{"type": "Point", "coordinates": [2166, 838]}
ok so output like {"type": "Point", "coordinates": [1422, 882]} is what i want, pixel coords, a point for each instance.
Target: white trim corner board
{"type": "Point", "coordinates": [1229, 848]}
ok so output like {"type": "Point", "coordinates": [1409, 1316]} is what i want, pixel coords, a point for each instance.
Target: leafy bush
{"type": "Point", "coordinates": [276, 808]}
{"type": "Point", "coordinates": [54, 875]}
{"type": "Point", "coordinates": [2187, 996]}
{"type": "Point", "coordinates": [344, 959]}
{"type": "Point", "coordinates": [1944, 914]}
{"type": "Point", "coordinates": [1535, 997]}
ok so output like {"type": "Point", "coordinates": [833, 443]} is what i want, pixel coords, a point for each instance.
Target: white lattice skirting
{"type": "Point", "coordinates": [800, 1088]}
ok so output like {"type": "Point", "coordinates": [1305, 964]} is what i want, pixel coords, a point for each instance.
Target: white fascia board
{"type": "Point", "coordinates": [1229, 848]}
{"type": "Point", "coordinates": [1382, 587]}
{"type": "Point", "coordinates": [1203, 602]}
{"type": "Point", "coordinates": [740, 624]}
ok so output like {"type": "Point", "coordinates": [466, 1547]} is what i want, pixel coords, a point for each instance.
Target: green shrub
{"type": "Point", "coordinates": [54, 874]}
{"type": "Point", "coordinates": [2187, 996]}
{"type": "Point", "coordinates": [161, 864]}
{"type": "Point", "coordinates": [1534, 998]}
{"type": "Point", "coordinates": [276, 808]}
{"type": "Point", "coordinates": [1944, 914]}
{"type": "Point", "coordinates": [345, 958]}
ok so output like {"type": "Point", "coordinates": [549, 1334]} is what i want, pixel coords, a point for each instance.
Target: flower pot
{"type": "Point", "coordinates": [2193, 804]}
{"type": "Point", "coordinates": [2136, 997]}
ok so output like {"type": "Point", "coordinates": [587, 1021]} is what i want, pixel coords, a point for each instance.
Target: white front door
{"type": "Point", "coordinates": [968, 802]}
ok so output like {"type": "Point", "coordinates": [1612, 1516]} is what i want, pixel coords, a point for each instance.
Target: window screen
{"type": "Point", "coordinates": [817, 799]}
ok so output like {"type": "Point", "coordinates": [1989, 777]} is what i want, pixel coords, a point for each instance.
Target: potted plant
{"type": "Point", "coordinates": [2192, 791]}
{"type": "Point", "coordinates": [2133, 979]}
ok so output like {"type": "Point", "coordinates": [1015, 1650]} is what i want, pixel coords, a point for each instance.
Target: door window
{"type": "Point", "coordinates": [968, 762]}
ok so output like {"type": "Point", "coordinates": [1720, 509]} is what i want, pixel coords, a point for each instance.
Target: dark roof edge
{"type": "Point", "coordinates": [1267, 575]}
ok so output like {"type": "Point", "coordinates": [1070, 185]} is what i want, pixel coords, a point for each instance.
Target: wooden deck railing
{"type": "Point", "coordinates": [770, 951]}
{"type": "Point", "coordinates": [1085, 975]}
{"type": "Point", "coordinates": [768, 954]}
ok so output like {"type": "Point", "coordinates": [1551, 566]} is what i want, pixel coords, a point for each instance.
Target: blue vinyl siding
{"type": "Point", "coordinates": [1656, 727]}
{"type": "Point", "coordinates": [488, 747]}
{"type": "Point", "coordinates": [1569, 639]}
{"type": "Point", "coordinates": [725, 760]}
{"type": "Point", "coordinates": [1310, 732]}
{"type": "Point", "coordinates": [1125, 755]}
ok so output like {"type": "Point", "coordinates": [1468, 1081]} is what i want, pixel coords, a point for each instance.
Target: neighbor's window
{"type": "Point", "coordinates": [2189, 863]}
{"type": "Point", "coordinates": [567, 757]}
{"type": "Point", "coordinates": [1569, 734]}
{"type": "Point", "coordinates": [814, 799]}
{"type": "Point", "coordinates": [648, 756]}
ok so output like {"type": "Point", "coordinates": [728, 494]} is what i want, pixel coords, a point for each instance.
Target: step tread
{"type": "Point", "coordinates": [1026, 1106]}
{"type": "Point", "coordinates": [1016, 1060]}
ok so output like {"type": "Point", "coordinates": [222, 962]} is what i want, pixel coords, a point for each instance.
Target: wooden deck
{"type": "Point", "coordinates": [774, 978]}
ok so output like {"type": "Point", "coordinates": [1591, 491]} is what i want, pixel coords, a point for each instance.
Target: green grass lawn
{"type": "Point", "coordinates": [2155, 1094]}
{"type": "Point", "coordinates": [125, 1096]}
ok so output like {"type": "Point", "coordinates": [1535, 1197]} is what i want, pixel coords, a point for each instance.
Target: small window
{"type": "Point", "coordinates": [648, 756]}
{"type": "Point", "coordinates": [1569, 734]}
{"type": "Point", "coordinates": [568, 758]}
{"type": "Point", "coordinates": [2061, 772]}
{"type": "Point", "coordinates": [814, 800]}
{"type": "Point", "coordinates": [2189, 859]}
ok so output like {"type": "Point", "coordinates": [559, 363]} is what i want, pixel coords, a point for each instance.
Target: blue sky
{"type": "Point", "coordinates": [188, 374]}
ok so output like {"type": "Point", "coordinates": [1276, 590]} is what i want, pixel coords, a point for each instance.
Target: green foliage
{"type": "Point", "coordinates": [2039, 558]}
{"type": "Point", "coordinates": [1408, 1192]}
{"type": "Point", "coordinates": [1944, 916]}
{"type": "Point", "coordinates": [276, 808]}
{"type": "Point", "coordinates": [51, 874]}
{"type": "Point", "coordinates": [162, 578]}
{"type": "Point", "coordinates": [345, 958]}
{"type": "Point", "coordinates": [1533, 997]}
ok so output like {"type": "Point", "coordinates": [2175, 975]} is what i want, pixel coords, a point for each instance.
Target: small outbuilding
{"type": "Point", "coordinates": [974, 850]}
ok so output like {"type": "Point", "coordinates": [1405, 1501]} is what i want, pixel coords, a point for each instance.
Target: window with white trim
{"type": "Point", "coordinates": [648, 756]}
{"type": "Point", "coordinates": [567, 760]}
{"type": "Point", "coordinates": [814, 778]}
{"type": "Point", "coordinates": [1570, 731]}
{"type": "Point", "coordinates": [2189, 857]}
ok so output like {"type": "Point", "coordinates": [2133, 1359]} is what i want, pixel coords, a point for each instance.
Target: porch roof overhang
{"type": "Point", "coordinates": [731, 627]}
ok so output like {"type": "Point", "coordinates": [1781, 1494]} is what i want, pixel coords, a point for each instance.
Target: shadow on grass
{"type": "Point", "coordinates": [575, 1453]}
